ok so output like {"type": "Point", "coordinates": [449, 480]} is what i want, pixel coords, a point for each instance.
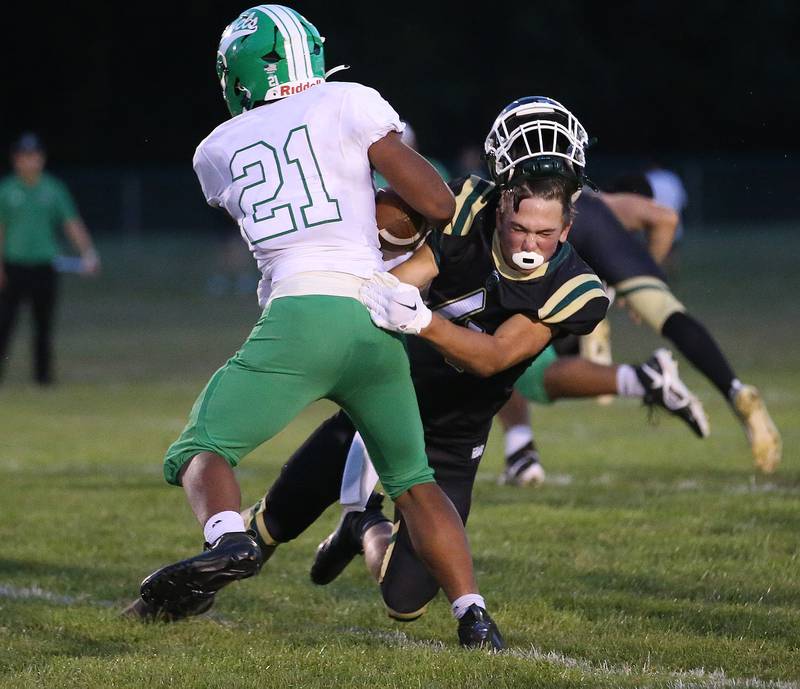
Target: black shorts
{"type": "Point", "coordinates": [613, 252]}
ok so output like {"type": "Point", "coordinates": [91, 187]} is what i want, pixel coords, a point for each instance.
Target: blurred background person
{"type": "Point", "coordinates": [666, 188]}
{"type": "Point", "coordinates": [34, 207]}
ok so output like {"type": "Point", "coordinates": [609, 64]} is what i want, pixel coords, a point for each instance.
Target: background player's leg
{"type": "Point", "coordinates": [522, 461]}
{"type": "Point", "coordinates": [11, 296]}
{"type": "Point", "coordinates": [657, 306]}
{"type": "Point", "coordinates": [43, 296]}
{"type": "Point", "coordinates": [692, 339]}
{"type": "Point", "coordinates": [578, 377]}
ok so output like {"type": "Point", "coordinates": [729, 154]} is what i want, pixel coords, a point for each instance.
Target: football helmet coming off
{"type": "Point", "coordinates": [268, 52]}
{"type": "Point", "coordinates": [536, 136]}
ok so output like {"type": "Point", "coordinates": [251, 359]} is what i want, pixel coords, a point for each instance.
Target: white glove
{"type": "Point", "coordinates": [394, 305]}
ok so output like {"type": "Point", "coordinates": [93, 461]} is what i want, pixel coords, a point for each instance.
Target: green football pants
{"type": "Point", "coordinates": [303, 349]}
{"type": "Point", "coordinates": [531, 383]}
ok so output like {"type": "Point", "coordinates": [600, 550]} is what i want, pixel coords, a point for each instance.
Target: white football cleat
{"type": "Point", "coordinates": [664, 388]}
{"type": "Point", "coordinates": [523, 468]}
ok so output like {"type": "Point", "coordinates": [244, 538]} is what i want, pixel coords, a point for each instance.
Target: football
{"type": "Point", "coordinates": [400, 227]}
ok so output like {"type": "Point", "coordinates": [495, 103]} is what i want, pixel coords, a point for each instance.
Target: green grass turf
{"type": "Point", "coordinates": [649, 558]}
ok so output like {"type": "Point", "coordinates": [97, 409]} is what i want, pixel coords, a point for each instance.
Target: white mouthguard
{"type": "Point", "coordinates": [527, 260]}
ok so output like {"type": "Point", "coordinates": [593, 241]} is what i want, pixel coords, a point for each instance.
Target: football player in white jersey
{"type": "Point", "coordinates": [294, 168]}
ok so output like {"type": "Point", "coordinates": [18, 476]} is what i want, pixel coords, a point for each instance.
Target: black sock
{"type": "Point", "coordinates": [692, 340]}
{"type": "Point", "coordinates": [371, 515]}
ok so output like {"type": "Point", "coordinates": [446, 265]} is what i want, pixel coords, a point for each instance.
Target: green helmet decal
{"type": "Point", "coordinates": [268, 52]}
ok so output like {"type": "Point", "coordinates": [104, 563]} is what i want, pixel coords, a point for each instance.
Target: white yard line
{"type": "Point", "coordinates": [698, 678]}
{"type": "Point", "coordinates": [36, 593]}
{"type": "Point", "coordinates": [751, 486]}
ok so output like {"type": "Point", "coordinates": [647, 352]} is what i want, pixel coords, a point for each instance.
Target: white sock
{"type": "Point", "coordinates": [222, 523]}
{"type": "Point", "coordinates": [517, 437]}
{"type": "Point", "coordinates": [736, 385]}
{"type": "Point", "coordinates": [628, 384]}
{"type": "Point", "coordinates": [461, 604]}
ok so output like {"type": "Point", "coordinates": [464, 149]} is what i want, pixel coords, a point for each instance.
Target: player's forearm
{"type": "Point", "coordinates": [659, 242]}
{"type": "Point", "coordinates": [481, 354]}
{"type": "Point", "coordinates": [79, 236]}
{"type": "Point", "coordinates": [418, 270]}
{"type": "Point", "coordinates": [661, 226]}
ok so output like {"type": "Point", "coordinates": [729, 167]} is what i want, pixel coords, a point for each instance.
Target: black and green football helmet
{"type": "Point", "coordinates": [536, 136]}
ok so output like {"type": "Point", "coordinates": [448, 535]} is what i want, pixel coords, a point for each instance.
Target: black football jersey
{"type": "Point", "coordinates": [476, 289]}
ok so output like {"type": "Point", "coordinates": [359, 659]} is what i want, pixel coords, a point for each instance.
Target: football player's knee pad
{"type": "Point", "coordinates": [650, 298]}
{"type": "Point", "coordinates": [403, 603]}
{"type": "Point", "coordinates": [406, 616]}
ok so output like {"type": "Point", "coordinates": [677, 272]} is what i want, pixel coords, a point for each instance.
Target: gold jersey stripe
{"type": "Point", "coordinates": [575, 305]}
{"type": "Point", "coordinates": [563, 292]}
{"type": "Point", "coordinates": [474, 195]}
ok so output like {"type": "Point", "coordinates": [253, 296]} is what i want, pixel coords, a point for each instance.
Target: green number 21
{"type": "Point", "coordinates": [262, 170]}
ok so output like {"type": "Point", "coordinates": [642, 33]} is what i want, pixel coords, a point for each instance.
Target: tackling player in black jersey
{"type": "Point", "coordinates": [503, 282]}
{"type": "Point", "coordinates": [476, 291]}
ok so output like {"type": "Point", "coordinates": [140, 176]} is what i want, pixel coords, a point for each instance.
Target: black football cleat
{"type": "Point", "coordinates": [184, 585]}
{"type": "Point", "coordinates": [477, 630]}
{"type": "Point", "coordinates": [523, 468]}
{"type": "Point", "coordinates": [168, 611]}
{"type": "Point", "coordinates": [340, 547]}
{"type": "Point", "coordinates": [664, 388]}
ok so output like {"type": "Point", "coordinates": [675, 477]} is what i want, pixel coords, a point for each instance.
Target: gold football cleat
{"type": "Point", "coordinates": [765, 440]}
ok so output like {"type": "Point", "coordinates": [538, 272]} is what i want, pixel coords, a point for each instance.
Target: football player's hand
{"type": "Point", "coordinates": [395, 305]}
{"type": "Point", "coordinates": [90, 263]}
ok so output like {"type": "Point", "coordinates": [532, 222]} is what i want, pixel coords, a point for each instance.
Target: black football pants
{"type": "Point", "coordinates": [310, 482]}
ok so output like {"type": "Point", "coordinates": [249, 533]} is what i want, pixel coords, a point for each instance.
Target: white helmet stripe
{"type": "Point", "coordinates": [294, 38]}
{"type": "Point", "coordinates": [288, 41]}
{"type": "Point", "coordinates": [303, 56]}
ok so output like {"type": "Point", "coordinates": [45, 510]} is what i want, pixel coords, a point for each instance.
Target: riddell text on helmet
{"type": "Point", "coordinates": [291, 89]}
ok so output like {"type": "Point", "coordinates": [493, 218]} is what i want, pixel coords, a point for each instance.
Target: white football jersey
{"type": "Point", "coordinates": [295, 175]}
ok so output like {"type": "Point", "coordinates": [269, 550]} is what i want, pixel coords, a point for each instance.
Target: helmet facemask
{"type": "Point", "coordinates": [536, 137]}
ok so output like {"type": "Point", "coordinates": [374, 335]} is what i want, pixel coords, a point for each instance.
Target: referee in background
{"type": "Point", "coordinates": [34, 208]}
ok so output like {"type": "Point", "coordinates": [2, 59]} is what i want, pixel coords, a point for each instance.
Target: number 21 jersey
{"type": "Point", "coordinates": [295, 176]}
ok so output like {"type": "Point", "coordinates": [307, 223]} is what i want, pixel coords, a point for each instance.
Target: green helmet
{"type": "Point", "coordinates": [268, 52]}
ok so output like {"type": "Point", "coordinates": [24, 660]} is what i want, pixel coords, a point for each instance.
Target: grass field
{"type": "Point", "coordinates": [649, 558]}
